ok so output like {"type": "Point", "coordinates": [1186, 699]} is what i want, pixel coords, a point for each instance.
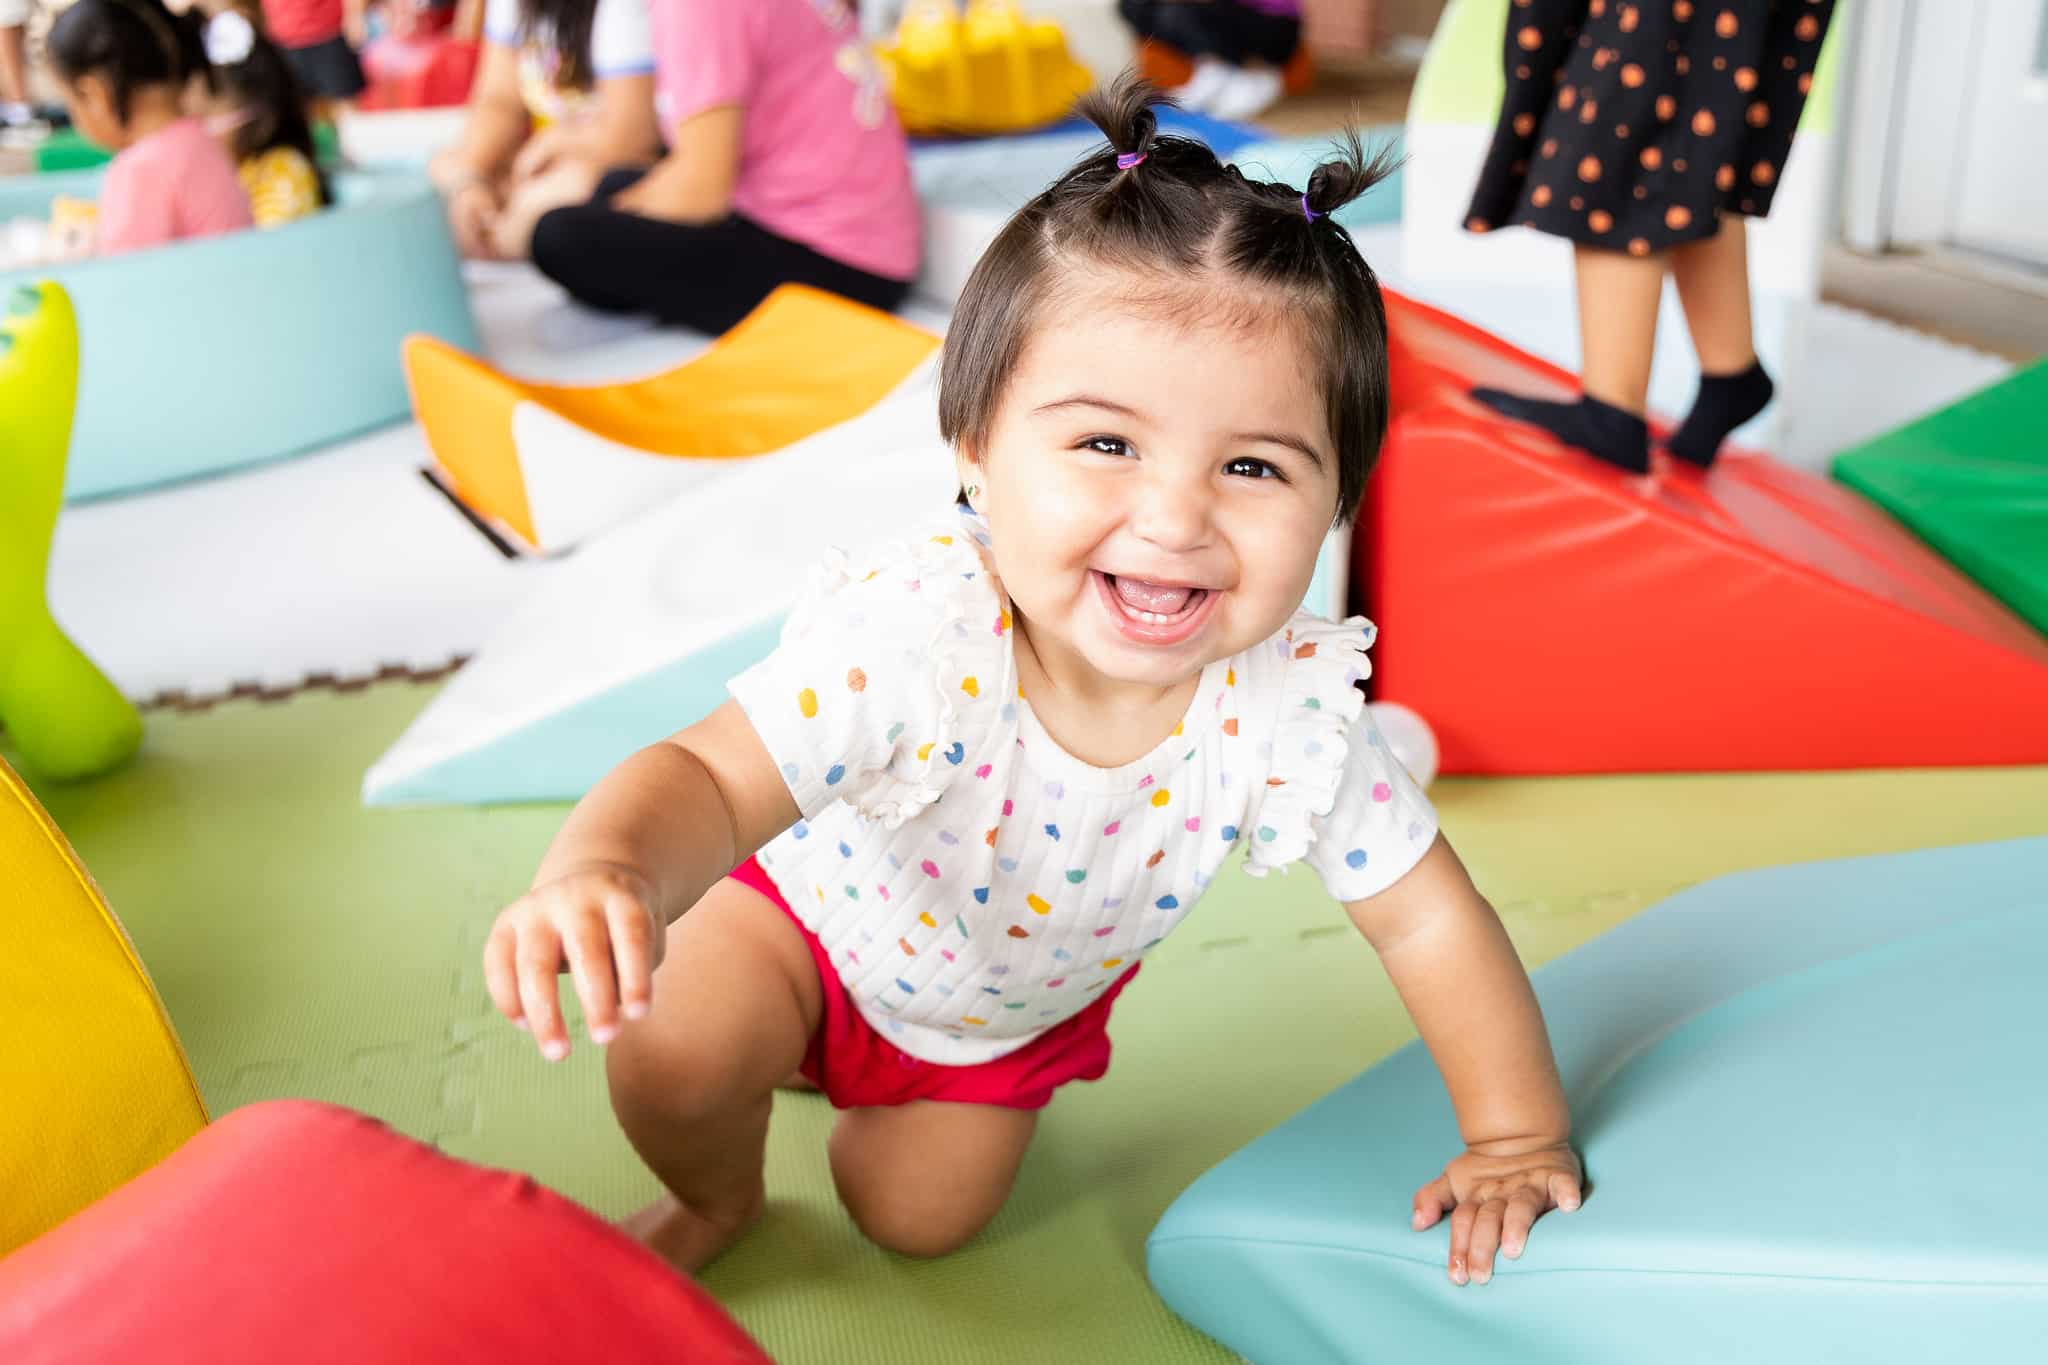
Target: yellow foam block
{"type": "Point", "coordinates": [993, 71]}
{"type": "Point", "coordinates": [803, 361]}
{"type": "Point", "coordinates": [93, 1084]}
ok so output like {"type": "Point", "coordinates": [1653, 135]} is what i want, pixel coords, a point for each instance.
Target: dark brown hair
{"type": "Point", "coordinates": [1181, 215]}
{"type": "Point", "coordinates": [273, 104]}
{"type": "Point", "coordinates": [129, 43]}
{"type": "Point", "coordinates": [563, 26]}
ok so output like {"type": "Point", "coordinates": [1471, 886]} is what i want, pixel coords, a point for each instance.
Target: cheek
{"type": "Point", "coordinates": [1277, 548]}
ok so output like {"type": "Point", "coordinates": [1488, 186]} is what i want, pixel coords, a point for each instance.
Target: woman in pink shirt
{"type": "Point", "coordinates": [123, 66]}
{"type": "Point", "coordinates": [785, 165]}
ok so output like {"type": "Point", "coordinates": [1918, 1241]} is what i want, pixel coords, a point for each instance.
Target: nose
{"type": "Point", "coordinates": [1172, 511]}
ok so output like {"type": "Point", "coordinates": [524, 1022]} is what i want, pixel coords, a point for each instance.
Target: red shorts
{"type": "Point", "coordinates": [858, 1068]}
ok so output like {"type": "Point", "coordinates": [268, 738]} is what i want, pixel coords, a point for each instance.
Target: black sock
{"type": "Point", "coordinates": [1601, 429]}
{"type": "Point", "coordinates": [1726, 401]}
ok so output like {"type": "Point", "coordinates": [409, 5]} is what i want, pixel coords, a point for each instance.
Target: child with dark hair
{"type": "Point", "coordinates": [989, 768]}
{"type": "Point", "coordinates": [124, 66]}
{"type": "Point", "coordinates": [264, 123]}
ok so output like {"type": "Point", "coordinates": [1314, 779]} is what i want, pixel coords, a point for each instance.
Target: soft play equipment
{"type": "Point", "coordinates": [59, 710]}
{"type": "Point", "coordinates": [1796, 1092]}
{"type": "Point", "coordinates": [297, 1231]}
{"type": "Point", "coordinates": [1972, 481]}
{"type": "Point", "coordinates": [991, 70]}
{"type": "Point", "coordinates": [635, 636]}
{"type": "Point", "coordinates": [418, 71]}
{"type": "Point", "coordinates": [212, 354]}
{"type": "Point", "coordinates": [96, 1085]}
{"type": "Point", "coordinates": [550, 463]}
{"type": "Point", "coordinates": [1552, 614]}
{"type": "Point", "coordinates": [1519, 282]}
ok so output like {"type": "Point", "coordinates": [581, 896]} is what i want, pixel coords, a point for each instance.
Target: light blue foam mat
{"type": "Point", "coordinates": [208, 355]}
{"type": "Point", "coordinates": [1811, 1106]}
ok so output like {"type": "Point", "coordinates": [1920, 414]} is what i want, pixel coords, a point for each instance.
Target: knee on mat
{"type": "Point", "coordinates": [899, 1226]}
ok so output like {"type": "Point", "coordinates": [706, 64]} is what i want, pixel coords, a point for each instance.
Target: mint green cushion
{"type": "Point", "coordinates": [1810, 1104]}
{"type": "Point", "coordinates": [208, 355]}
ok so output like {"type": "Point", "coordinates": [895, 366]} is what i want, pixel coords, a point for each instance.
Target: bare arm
{"type": "Point", "coordinates": [680, 814]}
{"type": "Point", "coordinates": [694, 182]}
{"type": "Point", "coordinates": [1449, 958]}
{"type": "Point", "coordinates": [639, 850]}
{"type": "Point", "coordinates": [495, 128]}
{"type": "Point", "coordinates": [623, 131]}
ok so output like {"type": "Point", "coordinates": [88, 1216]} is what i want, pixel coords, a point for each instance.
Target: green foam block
{"type": "Point", "coordinates": [1972, 481]}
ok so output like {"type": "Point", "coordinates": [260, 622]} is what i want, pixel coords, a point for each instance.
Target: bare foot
{"type": "Point", "coordinates": [686, 1240]}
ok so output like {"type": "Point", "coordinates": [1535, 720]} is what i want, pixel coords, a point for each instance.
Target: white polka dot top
{"type": "Point", "coordinates": [973, 882]}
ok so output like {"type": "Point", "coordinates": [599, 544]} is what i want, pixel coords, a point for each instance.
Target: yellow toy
{"type": "Point", "coordinates": [993, 71]}
{"type": "Point", "coordinates": [63, 716]}
{"type": "Point", "coordinates": [96, 1086]}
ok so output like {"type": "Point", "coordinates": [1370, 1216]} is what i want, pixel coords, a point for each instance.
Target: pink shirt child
{"type": "Point", "coordinates": [822, 158]}
{"type": "Point", "coordinates": [178, 182]}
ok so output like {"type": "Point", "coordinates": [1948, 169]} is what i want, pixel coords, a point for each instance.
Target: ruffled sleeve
{"type": "Point", "coordinates": [889, 677]}
{"type": "Point", "coordinates": [1336, 798]}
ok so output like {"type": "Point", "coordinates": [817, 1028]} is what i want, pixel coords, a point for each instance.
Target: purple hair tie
{"type": "Point", "coordinates": [1126, 160]}
{"type": "Point", "coordinates": [1308, 212]}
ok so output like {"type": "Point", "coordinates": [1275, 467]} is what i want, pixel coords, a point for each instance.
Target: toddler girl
{"type": "Point", "coordinates": [989, 769]}
{"type": "Point", "coordinates": [264, 123]}
{"type": "Point", "coordinates": [123, 66]}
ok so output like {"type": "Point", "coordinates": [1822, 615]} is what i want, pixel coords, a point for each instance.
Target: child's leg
{"type": "Point", "coordinates": [736, 1001]}
{"type": "Point", "coordinates": [1618, 297]}
{"type": "Point", "coordinates": [1713, 285]}
{"type": "Point", "coordinates": [1712, 276]}
{"type": "Point", "coordinates": [922, 1179]}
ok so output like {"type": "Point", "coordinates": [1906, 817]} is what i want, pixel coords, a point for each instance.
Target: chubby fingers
{"type": "Point", "coordinates": [1431, 1201]}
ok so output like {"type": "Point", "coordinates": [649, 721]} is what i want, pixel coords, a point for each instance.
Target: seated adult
{"type": "Point", "coordinates": [786, 165]}
{"type": "Point", "coordinates": [564, 93]}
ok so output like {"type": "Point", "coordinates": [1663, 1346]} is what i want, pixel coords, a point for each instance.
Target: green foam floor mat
{"type": "Point", "coordinates": [1972, 481]}
{"type": "Point", "coordinates": [308, 947]}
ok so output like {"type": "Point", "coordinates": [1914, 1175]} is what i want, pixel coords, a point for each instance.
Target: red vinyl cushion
{"type": "Point", "coordinates": [1547, 613]}
{"type": "Point", "coordinates": [300, 1232]}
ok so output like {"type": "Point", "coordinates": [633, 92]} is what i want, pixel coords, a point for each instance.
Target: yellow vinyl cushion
{"type": "Point", "coordinates": [93, 1084]}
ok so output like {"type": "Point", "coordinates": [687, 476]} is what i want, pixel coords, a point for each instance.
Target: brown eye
{"type": "Point", "coordinates": [1246, 467]}
{"type": "Point", "coordinates": [1107, 445]}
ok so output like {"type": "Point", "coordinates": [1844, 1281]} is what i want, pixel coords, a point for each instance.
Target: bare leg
{"type": "Point", "coordinates": [1618, 297]}
{"type": "Point", "coordinates": [735, 1003]}
{"type": "Point", "coordinates": [922, 1179]}
{"type": "Point", "coordinates": [14, 64]}
{"type": "Point", "coordinates": [1713, 283]}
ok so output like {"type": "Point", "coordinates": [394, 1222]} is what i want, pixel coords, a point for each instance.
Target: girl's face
{"type": "Point", "coordinates": [1156, 486]}
{"type": "Point", "coordinates": [91, 104]}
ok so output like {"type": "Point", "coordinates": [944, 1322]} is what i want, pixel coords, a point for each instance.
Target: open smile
{"type": "Point", "coordinates": [1155, 614]}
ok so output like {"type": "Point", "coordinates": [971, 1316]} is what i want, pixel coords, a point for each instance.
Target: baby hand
{"type": "Point", "coordinates": [1494, 1200]}
{"type": "Point", "coordinates": [600, 918]}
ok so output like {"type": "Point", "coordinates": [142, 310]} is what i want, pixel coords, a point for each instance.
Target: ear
{"type": "Point", "coordinates": [967, 464]}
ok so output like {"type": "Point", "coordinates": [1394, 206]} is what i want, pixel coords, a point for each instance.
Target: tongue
{"type": "Point", "coordinates": [1153, 597]}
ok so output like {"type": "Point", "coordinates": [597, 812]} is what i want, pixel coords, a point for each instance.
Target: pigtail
{"type": "Point", "coordinates": [1348, 174]}
{"type": "Point", "coordinates": [1123, 111]}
